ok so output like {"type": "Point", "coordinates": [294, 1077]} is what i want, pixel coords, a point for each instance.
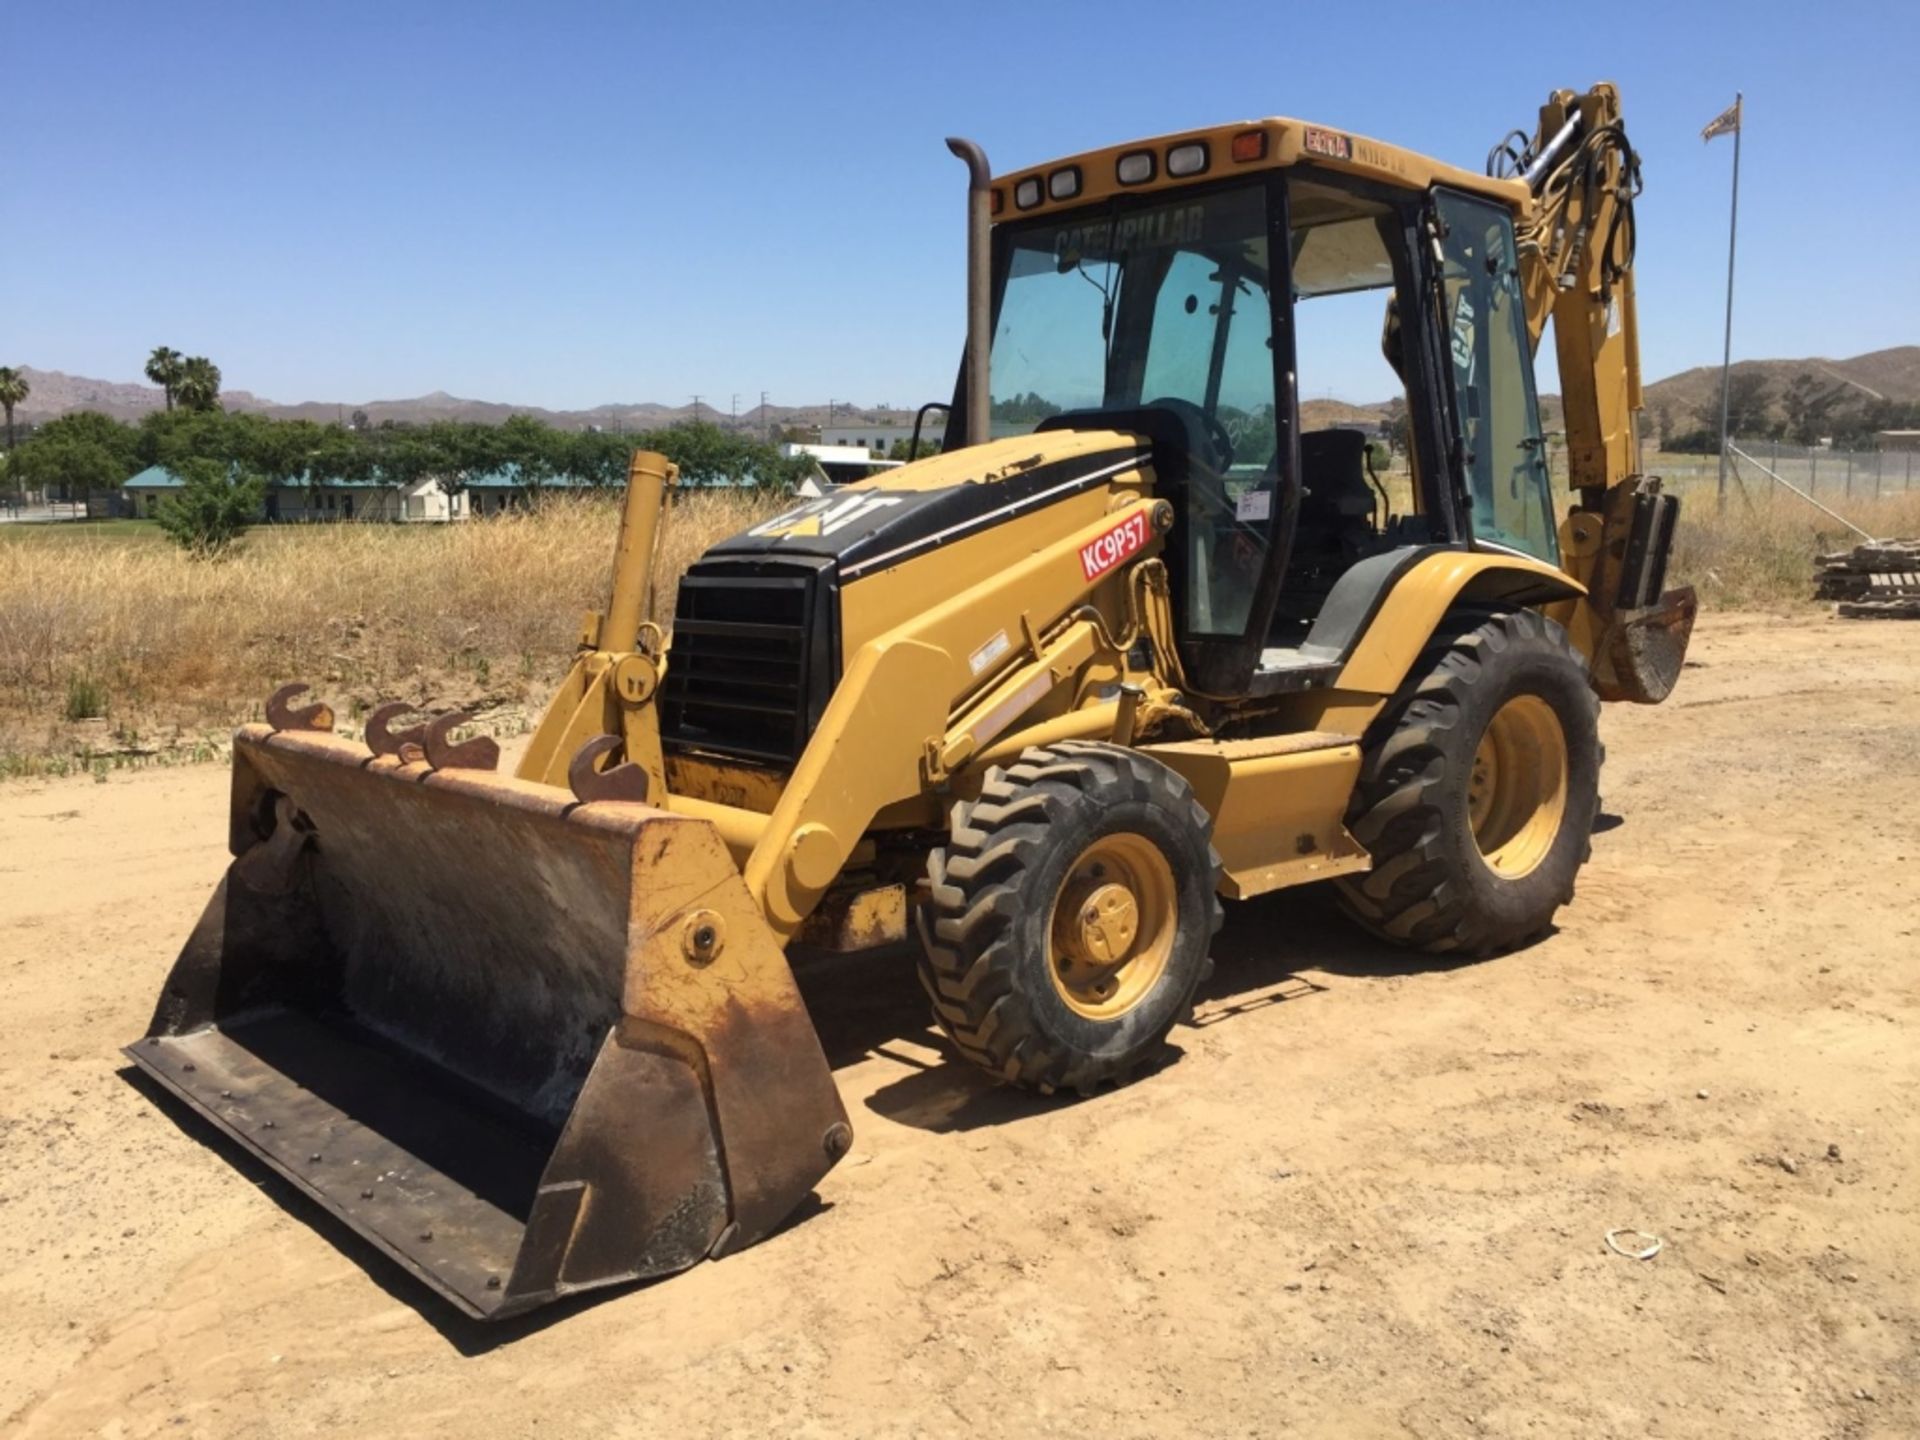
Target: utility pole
{"type": "Point", "coordinates": [696, 409]}
{"type": "Point", "coordinates": [733, 414]}
{"type": "Point", "coordinates": [1727, 121]}
{"type": "Point", "coordinates": [766, 431]}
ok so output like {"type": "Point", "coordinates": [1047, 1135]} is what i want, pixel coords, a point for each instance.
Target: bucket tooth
{"type": "Point", "coordinates": [283, 714]}
{"type": "Point", "coordinates": [619, 781]}
{"type": "Point", "coordinates": [442, 753]}
{"type": "Point", "coordinates": [383, 739]}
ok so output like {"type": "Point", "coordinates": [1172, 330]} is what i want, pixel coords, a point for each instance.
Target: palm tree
{"type": "Point", "coordinates": [13, 389]}
{"type": "Point", "coordinates": [199, 385]}
{"type": "Point", "coordinates": [164, 369]}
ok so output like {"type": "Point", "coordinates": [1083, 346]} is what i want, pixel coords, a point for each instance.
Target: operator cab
{"type": "Point", "coordinates": [1250, 329]}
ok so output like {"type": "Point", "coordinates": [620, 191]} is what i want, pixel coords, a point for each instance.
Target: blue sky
{"type": "Point", "coordinates": [565, 204]}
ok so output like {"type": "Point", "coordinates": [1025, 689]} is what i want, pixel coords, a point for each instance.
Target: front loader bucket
{"type": "Point", "coordinates": [525, 1045]}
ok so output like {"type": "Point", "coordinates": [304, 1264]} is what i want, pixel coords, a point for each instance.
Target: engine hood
{"type": "Point", "coordinates": [891, 517]}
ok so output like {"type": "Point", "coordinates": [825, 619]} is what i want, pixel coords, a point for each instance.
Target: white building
{"type": "Point", "coordinates": [881, 438]}
{"type": "Point", "coordinates": [836, 465]}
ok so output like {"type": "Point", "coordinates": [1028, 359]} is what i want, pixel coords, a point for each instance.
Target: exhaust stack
{"type": "Point", "coordinates": [979, 287]}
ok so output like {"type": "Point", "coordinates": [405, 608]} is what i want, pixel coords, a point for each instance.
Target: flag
{"type": "Point", "coordinates": [1725, 123]}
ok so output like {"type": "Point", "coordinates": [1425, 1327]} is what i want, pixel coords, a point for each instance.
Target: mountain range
{"type": "Point", "coordinates": [1882, 374]}
{"type": "Point", "coordinates": [53, 392]}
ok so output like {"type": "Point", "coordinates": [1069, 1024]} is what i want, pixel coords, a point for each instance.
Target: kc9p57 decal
{"type": "Point", "coordinates": [1101, 555]}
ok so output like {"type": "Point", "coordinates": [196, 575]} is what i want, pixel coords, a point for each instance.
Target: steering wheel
{"type": "Point", "coordinates": [1194, 418]}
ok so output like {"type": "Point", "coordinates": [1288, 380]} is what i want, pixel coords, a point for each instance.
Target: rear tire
{"type": "Point", "coordinates": [1069, 916]}
{"type": "Point", "coordinates": [1478, 790]}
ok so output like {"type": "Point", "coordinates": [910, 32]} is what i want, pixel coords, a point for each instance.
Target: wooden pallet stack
{"type": "Point", "coordinates": [1876, 581]}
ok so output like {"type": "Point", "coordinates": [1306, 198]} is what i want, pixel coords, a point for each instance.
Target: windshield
{"type": "Point", "coordinates": [1165, 306]}
{"type": "Point", "coordinates": [1127, 307]}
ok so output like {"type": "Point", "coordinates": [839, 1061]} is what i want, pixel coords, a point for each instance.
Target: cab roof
{"type": "Point", "coordinates": [1220, 151]}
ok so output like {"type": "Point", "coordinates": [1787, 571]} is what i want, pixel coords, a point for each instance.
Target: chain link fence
{"type": "Point", "coordinates": [1830, 475]}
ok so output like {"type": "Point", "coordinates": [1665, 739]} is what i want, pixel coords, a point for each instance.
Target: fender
{"type": "Point", "coordinates": [1419, 598]}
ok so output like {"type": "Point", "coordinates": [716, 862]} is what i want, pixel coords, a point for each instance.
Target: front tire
{"type": "Point", "coordinates": [1478, 791]}
{"type": "Point", "coordinates": [1069, 916]}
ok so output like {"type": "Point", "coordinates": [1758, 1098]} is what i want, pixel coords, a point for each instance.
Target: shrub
{"type": "Point", "coordinates": [215, 505]}
{"type": "Point", "coordinates": [86, 698]}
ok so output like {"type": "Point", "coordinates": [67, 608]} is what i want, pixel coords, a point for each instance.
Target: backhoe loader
{"type": "Point", "coordinates": [1135, 642]}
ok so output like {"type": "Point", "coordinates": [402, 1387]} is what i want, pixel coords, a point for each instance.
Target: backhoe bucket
{"type": "Point", "coordinates": [1642, 650]}
{"type": "Point", "coordinates": [525, 1045]}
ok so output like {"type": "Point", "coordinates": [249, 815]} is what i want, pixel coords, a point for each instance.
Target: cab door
{"type": "Point", "coordinates": [1500, 447]}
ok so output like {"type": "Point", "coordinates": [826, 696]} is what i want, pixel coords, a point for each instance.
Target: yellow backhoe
{"type": "Point", "coordinates": [1136, 640]}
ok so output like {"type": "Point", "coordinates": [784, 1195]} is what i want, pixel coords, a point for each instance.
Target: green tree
{"type": "Point", "coordinates": [170, 436]}
{"type": "Point", "coordinates": [13, 389]}
{"type": "Point", "coordinates": [165, 366]}
{"type": "Point", "coordinates": [1810, 403]}
{"type": "Point", "coordinates": [448, 452]}
{"type": "Point", "coordinates": [533, 448]}
{"type": "Point", "coordinates": [1749, 406]}
{"type": "Point", "coordinates": [1028, 409]}
{"type": "Point", "coordinates": [296, 452]}
{"type": "Point", "coordinates": [80, 452]}
{"type": "Point", "coordinates": [1697, 441]}
{"type": "Point", "coordinates": [708, 455]}
{"type": "Point", "coordinates": [597, 457]}
{"type": "Point", "coordinates": [215, 505]}
{"type": "Point", "coordinates": [1397, 424]}
{"type": "Point", "coordinates": [198, 387]}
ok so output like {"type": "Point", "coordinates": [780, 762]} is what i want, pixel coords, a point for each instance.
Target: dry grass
{"type": "Point", "coordinates": [1761, 554]}
{"type": "Point", "coordinates": [116, 649]}
{"type": "Point", "coordinates": [482, 614]}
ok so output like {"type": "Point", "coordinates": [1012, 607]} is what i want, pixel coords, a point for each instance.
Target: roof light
{"type": "Point", "coordinates": [1250, 145]}
{"type": "Point", "coordinates": [1064, 184]}
{"type": "Point", "coordinates": [1190, 159]}
{"type": "Point", "coordinates": [1134, 168]}
{"type": "Point", "coordinates": [1027, 193]}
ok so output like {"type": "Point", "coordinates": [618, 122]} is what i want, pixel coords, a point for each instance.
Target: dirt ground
{"type": "Point", "coordinates": [1366, 1197]}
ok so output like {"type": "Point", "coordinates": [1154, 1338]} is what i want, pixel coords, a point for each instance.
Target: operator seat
{"type": "Point", "coordinates": [1336, 501]}
{"type": "Point", "coordinates": [1336, 528]}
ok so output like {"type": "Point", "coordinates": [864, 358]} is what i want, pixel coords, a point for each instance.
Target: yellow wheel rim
{"type": "Point", "coordinates": [1517, 797]}
{"type": "Point", "coordinates": [1112, 926]}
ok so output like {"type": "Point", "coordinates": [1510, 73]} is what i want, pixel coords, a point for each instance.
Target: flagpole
{"type": "Point", "coordinates": [1726, 354]}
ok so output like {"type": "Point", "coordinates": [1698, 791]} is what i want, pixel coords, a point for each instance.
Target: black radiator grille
{"type": "Point", "coordinates": [753, 660]}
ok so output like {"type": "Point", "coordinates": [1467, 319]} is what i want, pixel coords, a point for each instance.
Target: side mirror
{"type": "Point", "coordinates": [919, 418]}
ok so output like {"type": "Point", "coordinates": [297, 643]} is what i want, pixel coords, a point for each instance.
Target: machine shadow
{"type": "Point", "coordinates": [1268, 953]}
{"type": "Point", "coordinates": [871, 1004]}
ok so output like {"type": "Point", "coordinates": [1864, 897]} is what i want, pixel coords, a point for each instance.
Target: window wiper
{"type": "Point", "coordinates": [1109, 289]}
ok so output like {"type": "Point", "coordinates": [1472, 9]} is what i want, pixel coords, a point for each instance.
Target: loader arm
{"type": "Point", "coordinates": [1576, 264]}
{"type": "Point", "coordinates": [1576, 252]}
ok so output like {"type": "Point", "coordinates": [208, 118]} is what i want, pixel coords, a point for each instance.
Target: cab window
{"type": "Point", "coordinates": [1496, 412]}
{"type": "Point", "coordinates": [1166, 306]}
